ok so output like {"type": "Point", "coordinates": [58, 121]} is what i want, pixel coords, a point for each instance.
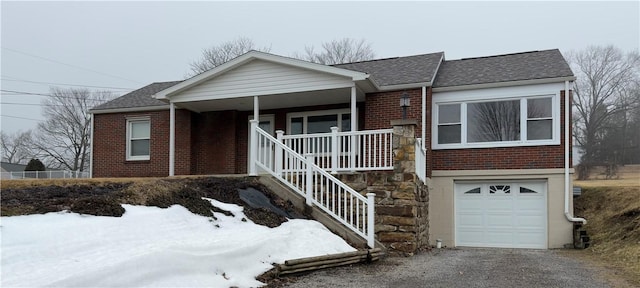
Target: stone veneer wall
{"type": "Point", "coordinates": [402, 200]}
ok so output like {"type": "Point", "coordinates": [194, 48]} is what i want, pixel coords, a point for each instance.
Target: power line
{"type": "Point", "coordinates": [18, 93]}
{"type": "Point", "coordinates": [25, 118]}
{"type": "Point", "coordinates": [30, 104]}
{"type": "Point", "coordinates": [64, 84]}
{"type": "Point", "coordinates": [70, 65]}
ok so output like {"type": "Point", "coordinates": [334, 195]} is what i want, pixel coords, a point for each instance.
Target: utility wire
{"type": "Point", "coordinates": [30, 104]}
{"type": "Point", "coordinates": [25, 118]}
{"type": "Point", "coordinates": [18, 93]}
{"type": "Point", "coordinates": [70, 65]}
{"type": "Point", "coordinates": [63, 84]}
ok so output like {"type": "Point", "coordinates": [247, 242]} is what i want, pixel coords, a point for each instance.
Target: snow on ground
{"type": "Point", "coordinates": [152, 247]}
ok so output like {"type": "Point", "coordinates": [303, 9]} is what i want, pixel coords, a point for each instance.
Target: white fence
{"type": "Point", "coordinates": [421, 161]}
{"type": "Point", "coordinates": [318, 186]}
{"type": "Point", "coordinates": [345, 151]}
{"type": "Point", "coordinates": [60, 174]}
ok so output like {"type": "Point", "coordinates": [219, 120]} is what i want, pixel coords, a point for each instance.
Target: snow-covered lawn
{"type": "Point", "coordinates": [149, 246]}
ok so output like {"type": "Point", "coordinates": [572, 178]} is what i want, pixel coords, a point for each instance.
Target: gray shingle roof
{"type": "Point", "coordinates": [503, 68]}
{"type": "Point", "coordinates": [138, 98]}
{"type": "Point", "coordinates": [398, 70]}
{"type": "Point", "coordinates": [12, 167]}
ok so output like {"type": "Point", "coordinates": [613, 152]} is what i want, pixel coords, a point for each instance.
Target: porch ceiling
{"type": "Point", "coordinates": [275, 101]}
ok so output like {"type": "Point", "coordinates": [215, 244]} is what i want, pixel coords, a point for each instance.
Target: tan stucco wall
{"type": "Point", "coordinates": [441, 197]}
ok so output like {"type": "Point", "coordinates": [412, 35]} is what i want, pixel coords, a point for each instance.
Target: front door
{"type": "Point", "coordinates": [267, 124]}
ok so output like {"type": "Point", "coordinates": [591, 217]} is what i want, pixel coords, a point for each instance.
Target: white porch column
{"type": "Point", "coordinates": [354, 128]}
{"type": "Point", "coordinates": [424, 117]}
{"type": "Point", "coordinates": [91, 147]}
{"type": "Point", "coordinates": [253, 144]}
{"type": "Point", "coordinates": [172, 138]}
{"type": "Point", "coordinates": [354, 118]}
{"type": "Point", "coordinates": [256, 108]}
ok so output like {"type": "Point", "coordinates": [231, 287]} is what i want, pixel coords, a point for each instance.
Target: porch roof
{"type": "Point", "coordinates": [230, 80]}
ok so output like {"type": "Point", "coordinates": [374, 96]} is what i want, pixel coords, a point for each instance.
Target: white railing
{"type": "Point", "coordinates": [60, 174]}
{"type": "Point", "coordinates": [421, 161]}
{"type": "Point", "coordinates": [316, 185]}
{"type": "Point", "coordinates": [345, 151]}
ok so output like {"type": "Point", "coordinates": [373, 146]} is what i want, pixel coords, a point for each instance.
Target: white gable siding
{"type": "Point", "coordinates": [260, 77]}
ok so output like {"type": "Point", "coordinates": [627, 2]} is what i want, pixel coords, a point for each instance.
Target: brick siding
{"type": "Point", "coordinates": [109, 148]}
{"type": "Point", "coordinates": [217, 142]}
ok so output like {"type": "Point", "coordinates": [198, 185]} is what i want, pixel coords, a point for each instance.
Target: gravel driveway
{"type": "Point", "coordinates": [466, 267]}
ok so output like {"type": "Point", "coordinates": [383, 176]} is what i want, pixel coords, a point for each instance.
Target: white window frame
{"type": "Point", "coordinates": [521, 93]}
{"type": "Point", "coordinates": [306, 114]}
{"type": "Point", "coordinates": [130, 121]}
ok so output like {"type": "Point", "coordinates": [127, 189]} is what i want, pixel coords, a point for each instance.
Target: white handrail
{"type": "Point", "coordinates": [316, 185]}
{"type": "Point", "coordinates": [364, 150]}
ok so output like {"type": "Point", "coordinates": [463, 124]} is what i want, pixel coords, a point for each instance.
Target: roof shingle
{"type": "Point", "coordinates": [138, 98]}
{"type": "Point", "coordinates": [398, 70]}
{"type": "Point", "coordinates": [503, 68]}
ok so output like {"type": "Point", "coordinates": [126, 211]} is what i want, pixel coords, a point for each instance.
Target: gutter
{"type": "Point", "coordinates": [566, 158]}
{"type": "Point", "coordinates": [503, 84]}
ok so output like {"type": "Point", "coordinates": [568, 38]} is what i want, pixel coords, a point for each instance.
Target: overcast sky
{"type": "Point", "coordinates": [130, 44]}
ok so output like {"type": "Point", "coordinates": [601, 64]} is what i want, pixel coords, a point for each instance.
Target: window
{"type": "Point", "coordinates": [138, 139]}
{"type": "Point", "coordinates": [493, 121]}
{"type": "Point", "coordinates": [449, 124]}
{"type": "Point", "coordinates": [501, 122]}
{"type": "Point", "coordinates": [319, 121]}
{"type": "Point", "coordinates": [473, 191]}
{"type": "Point", "coordinates": [539, 119]}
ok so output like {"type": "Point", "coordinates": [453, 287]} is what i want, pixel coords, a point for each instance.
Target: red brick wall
{"type": "Point", "coordinates": [382, 107]}
{"type": "Point", "coordinates": [109, 148]}
{"type": "Point", "coordinates": [214, 142]}
{"type": "Point", "coordinates": [530, 157]}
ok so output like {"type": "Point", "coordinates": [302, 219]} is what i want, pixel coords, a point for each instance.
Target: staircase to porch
{"type": "Point", "coordinates": [310, 179]}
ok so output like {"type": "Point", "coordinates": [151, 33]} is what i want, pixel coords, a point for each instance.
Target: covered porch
{"type": "Point", "coordinates": [310, 108]}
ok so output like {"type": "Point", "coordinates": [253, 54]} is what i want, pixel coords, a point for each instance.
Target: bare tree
{"type": "Point", "coordinates": [63, 138]}
{"type": "Point", "coordinates": [603, 74]}
{"type": "Point", "coordinates": [338, 51]}
{"type": "Point", "coordinates": [219, 54]}
{"type": "Point", "coordinates": [16, 147]}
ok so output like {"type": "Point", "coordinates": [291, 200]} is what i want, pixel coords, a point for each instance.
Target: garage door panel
{"type": "Point", "coordinates": [535, 221]}
{"type": "Point", "coordinates": [513, 216]}
{"type": "Point", "coordinates": [495, 203]}
{"type": "Point", "coordinates": [470, 220]}
{"type": "Point", "coordinates": [501, 238]}
{"type": "Point", "coordinates": [502, 220]}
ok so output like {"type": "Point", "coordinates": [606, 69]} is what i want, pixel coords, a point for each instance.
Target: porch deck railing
{"type": "Point", "coordinates": [421, 161]}
{"type": "Point", "coordinates": [319, 187]}
{"type": "Point", "coordinates": [345, 151]}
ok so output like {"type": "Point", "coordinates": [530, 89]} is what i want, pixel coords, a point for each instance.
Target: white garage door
{"type": "Point", "coordinates": [508, 214]}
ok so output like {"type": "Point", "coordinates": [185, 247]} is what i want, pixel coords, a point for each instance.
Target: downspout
{"type": "Point", "coordinates": [567, 192]}
{"type": "Point", "coordinates": [424, 118]}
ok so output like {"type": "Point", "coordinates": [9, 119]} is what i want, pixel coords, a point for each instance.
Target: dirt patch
{"type": "Point", "coordinates": [104, 198]}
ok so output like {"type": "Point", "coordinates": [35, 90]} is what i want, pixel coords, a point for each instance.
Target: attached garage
{"type": "Point", "coordinates": [506, 214]}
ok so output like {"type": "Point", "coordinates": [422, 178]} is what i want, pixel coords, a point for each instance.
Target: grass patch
{"type": "Point", "coordinates": [612, 209]}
